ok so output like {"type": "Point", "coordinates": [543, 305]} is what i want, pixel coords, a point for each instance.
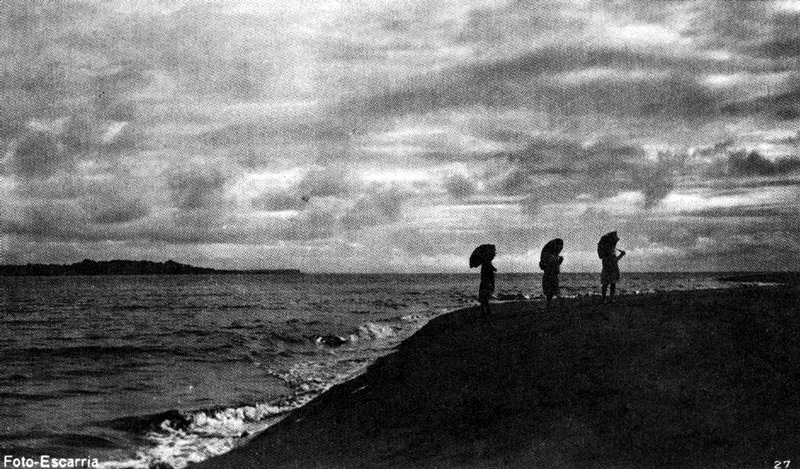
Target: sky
{"type": "Point", "coordinates": [389, 136]}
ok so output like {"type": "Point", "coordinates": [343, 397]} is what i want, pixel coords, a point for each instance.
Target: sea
{"type": "Point", "coordinates": [163, 370]}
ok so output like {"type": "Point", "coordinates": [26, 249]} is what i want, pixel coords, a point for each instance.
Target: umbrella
{"type": "Point", "coordinates": [552, 248]}
{"type": "Point", "coordinates": [481, 254]}
{"type": "Point", "coordinates": [607, 244]}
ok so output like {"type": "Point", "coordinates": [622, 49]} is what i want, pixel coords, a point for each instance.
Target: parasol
{"type": "Point", "coordinates": [552, 248]}
{"type": "Point", "coordinates": [481, 254]}
{"type": "Point", "coordinates": [607, 244]}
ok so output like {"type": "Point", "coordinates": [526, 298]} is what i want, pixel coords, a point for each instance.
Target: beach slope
{"type": "Point", "coordinates": [674, 379]}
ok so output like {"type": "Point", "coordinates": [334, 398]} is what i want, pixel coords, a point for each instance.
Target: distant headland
{"type": "Point", "coordinates": [125, 267]}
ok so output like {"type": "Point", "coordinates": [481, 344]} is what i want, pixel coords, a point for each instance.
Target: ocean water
{"type": "Point", "coordinates": [141, 370]}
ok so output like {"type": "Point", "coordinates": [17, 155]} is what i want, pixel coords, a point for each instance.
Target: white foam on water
{"type": "Point", "coordinates": [207, 434]}
{"type": "Point", "coordinates": [372, 331]}
{"type": "Point", "coordinates": [214, 432]}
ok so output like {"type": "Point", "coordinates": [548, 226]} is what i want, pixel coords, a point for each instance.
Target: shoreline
{"type": "Point", "coordinates": [686, 379]}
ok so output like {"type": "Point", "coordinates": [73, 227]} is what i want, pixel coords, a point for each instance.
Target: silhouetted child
{"type": "Point", "coordinates": [550, 263]}
{"type": "Point", "coordinates": [486, 288]}
{"type": "Point", "coordinates": [607, 249]}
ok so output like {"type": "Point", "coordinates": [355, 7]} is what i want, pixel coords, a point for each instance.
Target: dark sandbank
{"type": "Point", "coordinates": [679, 379]}
{"type": "Point", "coordinates": [789, 278]}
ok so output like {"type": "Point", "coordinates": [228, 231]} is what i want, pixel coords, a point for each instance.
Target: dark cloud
{"type": "Point", "coordinates": [314, 223]}
{"type": "Point", "coordinates": [278, 201]}
{"type": "Point", "coordinates": [433, 243]}
{"type": "Point", "coordinates": [781, 47]}
{"type": "Point", "coordinates": [655, 181]}
{"type": "Point", "coordinates": [211, 55]}
{"type": "Point", "coordinates": [38, 154]}
{"type": "Point", "coordinates": [415, 241]}
{"type": "Point", "coordinates": [459, 186]}
{"type": "Point", "coordinates": [757, 31]}
{"type": "Point", "coordinates": [45, 220]}
{"type": "Point", "coordinates": [377, 208]}
{"type": "Point", "coordinates": [61, 102]}
{"type": "Point", "coordinates": [254, 132]}
{"type": "Point", "coordinates": [515, 182]}
{"type": "Point", "coordinates": [63, 186]}
{"type": "Point", "coordinates": [785, 38]}
{"type": "Point", "coordinates": [724, 184]}
{"type": "Point", "coordinates": [114, 207]}
{"type": "Point", "coordinates": [556, 171]}
{"type": "Point", "coordinates": [330, 181]}
{"type": "Point", "coordinates": [782, 106]}
{"type": "Point", "coordinates": [742, 163]}
{"type": "Point", "coordinates": [662, 85]}
{"type": "Point", "coordinates": [110, 91]}
{"type": "Point", "coordinates": [197, 188]}
{"type": "Point", "coordinates": [80, 135]}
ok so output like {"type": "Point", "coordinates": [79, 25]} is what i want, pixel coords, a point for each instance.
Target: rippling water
{"type": "Point", "coordinates": [134, 370]}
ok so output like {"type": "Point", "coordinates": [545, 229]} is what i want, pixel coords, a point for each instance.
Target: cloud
{"type": "Point", "coordinates": [314, 223]}
{"type": "Point", "coordinates": [375, 208]}
{"type": "Point", "coordinates": [114, 207]}
{"type": "Point", "coordinates": [254, 132]}
{"type": "Point", "coordinates": [459, 186]}
{"type": "Point", "coordinates": [564, 80]}
{"type": "Point", "coordinates": [741, 163]}
{"type": "Point", "coordinates": [152, 127]}
{"type": "Point", "coordinates": [38, 154]}
{"type": "Point", "coordinates": [559, 171]}
{"type": "Point", "coordinates": [195, 205]}
{"type": "Point", "coordinates": [329, 181]}
{"type": "Point", "coordinates": [782, 106]}
{"type": "Point", "coordinates": [654, 180]}
{"type": "Point", "coordinates": [784, 43]}
{"type": "Point", "coordinates": [198, 187]}
{"type": "Point", "coordinates": [278, 201]}
{"type": "Point", "coordinates": [110, 90]}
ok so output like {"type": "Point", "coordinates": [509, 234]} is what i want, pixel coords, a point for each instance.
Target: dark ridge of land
{"type": "Point", "coordinates": [706, 378]}
{"type": "Point", "coordinates": [123, 267]}
{"type": "Point", "coordinates": [789, 278]}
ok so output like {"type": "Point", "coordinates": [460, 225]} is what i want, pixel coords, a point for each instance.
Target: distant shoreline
{"type": "Point", "coordinates": [125, 267]}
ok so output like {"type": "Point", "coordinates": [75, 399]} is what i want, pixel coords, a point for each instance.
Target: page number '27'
{"type": "Point", "coordinates": [782, 464]}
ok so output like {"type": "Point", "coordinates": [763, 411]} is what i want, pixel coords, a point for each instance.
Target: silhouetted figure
{"type": "Point", "coordinates": [483, 255]}
{"type": "Point", "coordinates": [607, 251]}
{"type": "Point", "coordinates": [550, 262]}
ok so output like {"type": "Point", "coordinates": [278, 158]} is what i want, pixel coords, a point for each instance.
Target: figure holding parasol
{"type": "Point", "coordinates": [550, 262]}
{"type": "Point", "coordinates": [607, 251]}
{"type": "Point", "coordinates": [482, 256]}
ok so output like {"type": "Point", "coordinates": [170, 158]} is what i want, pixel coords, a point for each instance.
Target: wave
{"type": "Point", "coordinates": [22, 396]}
{"type": "Point", "coordinates": [368, 332]}
{"type": "Point", "coordinates": [373, 331]}
{"type": "Point", "coordinates": [176, 438]}
{"type": "Point", "coordinates": [84, 351]}
{"type": "Point", "coordinates": [73, 444]}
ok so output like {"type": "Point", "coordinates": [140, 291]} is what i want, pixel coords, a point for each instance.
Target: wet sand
{"type": "Point", "coordinates": [673, 379]}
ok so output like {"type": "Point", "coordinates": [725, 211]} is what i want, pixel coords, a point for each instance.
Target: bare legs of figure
{"type": "Point", "coordinates": [485, 311]}
{"type": "Point", "coordinates": [605, 287]}
{"type": "Point", "coordinates": [559, 302]}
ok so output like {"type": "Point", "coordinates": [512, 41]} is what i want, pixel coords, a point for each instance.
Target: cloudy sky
{"type": "Point", "coordinates": [383, 135]}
